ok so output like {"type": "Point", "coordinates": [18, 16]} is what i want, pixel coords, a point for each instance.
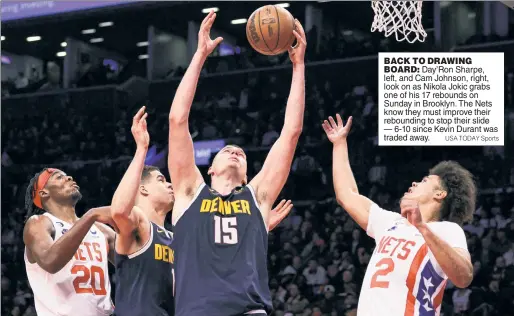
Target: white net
{"type": "Point", "coordinates": [402, 18]}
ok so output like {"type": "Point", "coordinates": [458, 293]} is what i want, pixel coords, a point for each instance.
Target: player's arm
{"type": "Point", "coordinates": [345, 187]}
{"type": "Point", "coordinates": [184, 174]}
{"type": "Point", "coordinates": [53, 256]}
{"type": "Point", "coordinates": [122, 206]}
{"type": "Point", "coordinates": [454, 261]}
{"type": "Point", "coordinates": [271, 179]}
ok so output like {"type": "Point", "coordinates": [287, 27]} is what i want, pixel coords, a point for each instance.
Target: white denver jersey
{"type": "Point", "coordinates": [82, 287]}
{"type": "Point", "coordinates": [403, 278]}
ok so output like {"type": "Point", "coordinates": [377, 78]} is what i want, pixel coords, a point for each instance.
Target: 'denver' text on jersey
{"type": "Point", "coordinates": [223, 245]}
{"type": "Point", "coordinates": [145, 278]}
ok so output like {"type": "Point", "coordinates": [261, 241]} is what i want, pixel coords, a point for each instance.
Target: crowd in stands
{"type": "Point", "coordinates": [317, 256]}
{"type": "Point", "coordinates": [335, 43]}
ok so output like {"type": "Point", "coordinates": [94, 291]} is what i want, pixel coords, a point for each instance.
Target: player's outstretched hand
{"type": "Point", "coordinates": [410, 210]}
{"type": "Point", "coordinates": [139, 129]}
{"type": "Point", "coordinates": [103, 215]}
{"type": "Point", "coordinates": [337, 131]}
{"type": "Point", "coordinates": [279, 213]}
{"type": "Point", "coordinates": [297, 53]}
{"type": "Point", "coordinates": [205, 44]}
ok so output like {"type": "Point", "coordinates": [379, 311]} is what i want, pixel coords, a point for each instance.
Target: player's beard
{"type": "Point", "coordinates": [76, 197]}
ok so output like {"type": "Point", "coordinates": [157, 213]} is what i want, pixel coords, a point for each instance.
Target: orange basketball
{"type": "Point", "coordinates": [270, 30]}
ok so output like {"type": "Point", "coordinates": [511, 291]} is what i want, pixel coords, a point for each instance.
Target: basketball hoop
{"type": "Point", "coordinates": [402, 18]}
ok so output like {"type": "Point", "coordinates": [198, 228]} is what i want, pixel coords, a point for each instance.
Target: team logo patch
{"type": "Point", "coordinates": [396, 225]}
{"type": "Point", "coordinates": [166, 233]}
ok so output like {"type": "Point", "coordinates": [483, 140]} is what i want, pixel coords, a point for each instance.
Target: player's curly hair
{"type": "Point", "coordinates": [458, 182]}
{"type": "Point", "coordinates": [30, 207]}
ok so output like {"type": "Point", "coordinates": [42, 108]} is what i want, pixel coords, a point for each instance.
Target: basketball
{"type": "Point", "coordinates": [270, 30]}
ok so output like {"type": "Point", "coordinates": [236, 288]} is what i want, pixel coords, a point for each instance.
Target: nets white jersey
{"type": "Point", "coordinates": [82, 287]}
{"type": "Point", "coordinates": [403, 278]}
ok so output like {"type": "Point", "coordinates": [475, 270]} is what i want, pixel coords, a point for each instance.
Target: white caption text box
{"type": "Point", "coordinates": [441, 99]}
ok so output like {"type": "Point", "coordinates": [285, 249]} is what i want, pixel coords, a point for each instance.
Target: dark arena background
{"type": "Point", "coordinates": [74, 74]}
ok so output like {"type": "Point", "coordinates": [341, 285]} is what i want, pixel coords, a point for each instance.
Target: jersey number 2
{"type": "Point", "coordinates": [384, 267]}
{"type": "Point", "coordinates": [225, 230]}
{"type": "Point", "coordinates": [80, 283]}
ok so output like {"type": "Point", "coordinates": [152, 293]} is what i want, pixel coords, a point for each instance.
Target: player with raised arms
{"type": "Point", "coordinates": [66, 257]}
{"type": "Point", "coordinates": [418, 250]}
{"type": "Point", "coordinates": [221, 230]}
{"type": "Point", "coordinates": [143, 254]}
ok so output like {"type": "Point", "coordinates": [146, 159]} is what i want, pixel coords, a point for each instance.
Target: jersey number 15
{"type": "Point", "coordinates": [225, 230]}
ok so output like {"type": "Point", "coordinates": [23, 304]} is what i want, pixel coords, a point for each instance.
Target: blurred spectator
{"type": "Point", "coordinates": [377, 173]}
{"type": "Point", "coordinates": [22, 81]}
{"type": "Point", "coordinates": [460, 301]}
{"type": "Point", "coordinates": [295, 303]}
{"type": "Point", "coordinates": [270, 136]}
{"type": "Point", "coordinates": [54, 77]}
{"type": "Point", "coordinates": [315, 274]}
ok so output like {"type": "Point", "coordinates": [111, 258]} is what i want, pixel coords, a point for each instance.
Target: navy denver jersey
{"type": "Point", "coordinates": [144, 284]}
{"type": "Point", "coordinates": [222, 242]}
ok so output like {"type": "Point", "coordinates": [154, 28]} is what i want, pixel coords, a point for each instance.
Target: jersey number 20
{"type": "Point", "coordinates": [89, 275]}
{"type": "Point", "coordinates": [225, 230]}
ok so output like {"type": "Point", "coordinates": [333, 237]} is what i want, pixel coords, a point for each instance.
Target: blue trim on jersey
{"type": "Point", "coordinates": [429, 281]}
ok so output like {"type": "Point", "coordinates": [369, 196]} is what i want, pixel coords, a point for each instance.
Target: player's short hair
{"type": "Point", "coordinates": [233, 145]}
{"type": "Point", "coordinates": [459, 204]}
{"type": "Point", "coordinates": [30, 207]}
{"type": "Point", "coordinates": [214, 154]}
{"type": "Point", "coordinates": [147, 170]}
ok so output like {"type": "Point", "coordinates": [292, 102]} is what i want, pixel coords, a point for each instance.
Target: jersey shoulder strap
{"type": "Point", "coordinates": [146, 246]}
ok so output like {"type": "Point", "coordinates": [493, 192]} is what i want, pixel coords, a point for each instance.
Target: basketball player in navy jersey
{"type": "Point", "coordinates": [221, 230]}
{"type": "Point", "coordinates": [143, 254]}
